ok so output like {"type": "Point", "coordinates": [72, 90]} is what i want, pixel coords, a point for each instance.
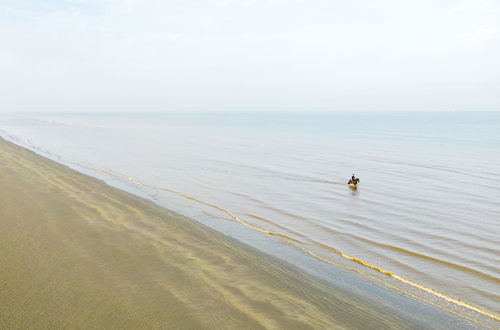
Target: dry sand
{"type": "Point", "coordinates": [76, 253]}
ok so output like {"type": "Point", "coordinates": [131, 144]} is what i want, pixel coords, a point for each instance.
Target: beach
{"type": "Point", "coordinates": [77, 253]}
{"type": "Point", "coordinates": [425, 210]}
{"type": "Point", "coordinates": [189, 164]}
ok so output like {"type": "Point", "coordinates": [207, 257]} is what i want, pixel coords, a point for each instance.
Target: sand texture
{"type": "Point", "coordinates": [78, 254]}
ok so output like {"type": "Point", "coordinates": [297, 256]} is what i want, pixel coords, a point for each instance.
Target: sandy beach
{"type": "Point", "coordinates": [76, 253]}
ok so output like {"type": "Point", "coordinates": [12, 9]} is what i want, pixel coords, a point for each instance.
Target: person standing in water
{"type": "Point", "coordinates": [354, 181]}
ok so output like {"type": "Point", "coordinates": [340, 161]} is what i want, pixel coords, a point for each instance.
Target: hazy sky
{"type": "Point", "coordinates": [245, 55]}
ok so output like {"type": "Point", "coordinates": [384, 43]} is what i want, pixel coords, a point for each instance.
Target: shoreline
{"type": "Point", "coordinates": [77, 252]}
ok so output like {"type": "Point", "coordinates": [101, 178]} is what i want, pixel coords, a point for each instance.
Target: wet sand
{"type": "Point", "coordinates": [76, 253]}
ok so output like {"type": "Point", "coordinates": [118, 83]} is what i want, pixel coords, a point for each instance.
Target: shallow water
{"type": "Point", "coordinates": [424, 219]}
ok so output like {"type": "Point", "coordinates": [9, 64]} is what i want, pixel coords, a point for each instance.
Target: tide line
{"type": "Point", "coordinates": [344, 255]}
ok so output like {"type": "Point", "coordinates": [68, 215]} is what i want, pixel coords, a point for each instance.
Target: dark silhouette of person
{"type": "Point", "coordinates": [354, 181]}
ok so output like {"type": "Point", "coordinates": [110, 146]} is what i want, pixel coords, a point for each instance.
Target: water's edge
{"type": "Point", "coordinates": [339, 277]}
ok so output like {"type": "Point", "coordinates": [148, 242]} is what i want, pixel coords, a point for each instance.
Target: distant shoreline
{"type": "Point", "coordinates": [77, 253]}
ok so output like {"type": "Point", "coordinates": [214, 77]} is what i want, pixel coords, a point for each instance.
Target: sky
{"type": "Point", "coordinates": [249, 55]}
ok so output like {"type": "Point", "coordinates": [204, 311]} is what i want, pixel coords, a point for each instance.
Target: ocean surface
{"type": "Point", "coordinates": [424, 220]}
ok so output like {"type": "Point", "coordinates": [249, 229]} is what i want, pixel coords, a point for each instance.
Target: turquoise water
{"type": "Point", "coordinates": [424, 219]}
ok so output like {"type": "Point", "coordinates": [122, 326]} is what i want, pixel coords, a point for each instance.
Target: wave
{"type": "Point", "coordinates": [350, 234]}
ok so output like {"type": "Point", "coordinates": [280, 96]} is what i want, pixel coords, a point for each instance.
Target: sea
{"type": "Point", "coordinates": [424, 219]}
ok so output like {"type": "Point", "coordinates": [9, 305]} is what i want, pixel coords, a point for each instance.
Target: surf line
{"type": "Point", "coordinates": [325, 260]}
{"type": "Point", "coordinates": [403, 280]}
{"type": "Point", "coordinates": [233, 216]}
{"type": "Point", "coordinates": [344, 255]}
{"type": "Point", "coordinates": [236, 218]}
